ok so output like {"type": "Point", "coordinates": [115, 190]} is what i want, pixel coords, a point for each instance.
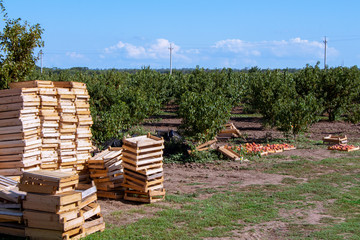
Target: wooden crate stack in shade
{"type": "Point", "coordinates": [90, 209]}
{"type": "Point", "coordinates": [52, 205]}
{"type": "Point", "coordinates": [11, 215]}
{"type": "Point", "coordinates": [107, 173]}
{"type": "Point", "coordinates": [49, 121]}
{"type": "Point", "coordinates": [68, 123]}
{"type": "Point", "coordinates": [143, 168]}
{"type": "Point", "coordinates": [20, 143]}
{"type": "Point", "coordinates": [83, 133]}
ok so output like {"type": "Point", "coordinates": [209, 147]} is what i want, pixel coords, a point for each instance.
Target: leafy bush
{"type": "Point", "coordinates": [339, 88]}
{"type": "Point", "coordinates": [205, 103]}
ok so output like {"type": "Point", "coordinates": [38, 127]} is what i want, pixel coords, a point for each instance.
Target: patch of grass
{"type": "Point", "coordinates": [206, 190]}
{"type": "Point", "coordinates": [134, 210]}
{"type": "Point", "coordinates": [333, 183]}
{"type": "Point", "coordinates": [296, 157]}
{"type": "Point", "coordinates": [236, 182]}
{"type": "Point", "coordinates": [274, 156]}
{"type": "Point", "coordinates": [289, 180]}
{"type": "Point", "coordinates": [303, 142]}
{"type": "Point", "coordinates": [348, 229]}
{"type": "Point", "coordinates": [249, 115]}
{"type": "Point", "coordinates": [184, 198]}
{"type": "Point", "coordinates": [117, 213]}
{"type": "Point", "coordinates": [212, 217]}
{"type": "Point", "coordinates": [298, 168]}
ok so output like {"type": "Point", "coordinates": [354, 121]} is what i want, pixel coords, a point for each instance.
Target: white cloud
{"type": "Point", "coordinates": [157, 50]}
{"type": "Point", "coordinates": [295, 47]}
{"type": "Point", "coordinates": [75, 55]}
{"type": "Point", "coordinates": [237, 46]}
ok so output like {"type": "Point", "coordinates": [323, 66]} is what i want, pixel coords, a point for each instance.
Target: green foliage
{"type": "Point", "coordinates": [18, 42]}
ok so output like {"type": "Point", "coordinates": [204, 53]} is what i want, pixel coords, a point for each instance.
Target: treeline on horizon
{"type": "Point", "coordinates": [159, 70]}
{"type": "Point", "coordinates": [288, 100]}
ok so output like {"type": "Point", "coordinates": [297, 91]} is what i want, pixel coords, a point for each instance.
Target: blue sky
{"type": "Point", "coordinates": [210, 34]}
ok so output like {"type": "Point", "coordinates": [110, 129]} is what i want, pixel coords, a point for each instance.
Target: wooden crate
{"type": "Point", "coordinates": [32, 84]}
{"type": "Point", "coordinates": [77, 85]}
{"type": "Point", "coordinates": [229, 131]}
{"type": "Point", "coordinates": [230, 153]}
{"type": "Point", "coordinates": [49, 182]}
{"type": "Point", "coordinates": [53, 203]}
{"type": "Point", "coordinates": [64, 221]}
{"type": "Point", "coordinates": [143, 172]}
{"type": "Point", "coordinates": [94, 225]}
{"type": "Point", "coordinates": [13, 229]}
{"type": "Point", "coordinates": [46, 234]}
{"type": "Point", "coordinates": [107, 172]}
{"type": "Point", "coordinates": [335, 139]}
{"type": "Point", "coordinates": [145, 197]}
{"type": "Point", "coordinates": [143, 182]}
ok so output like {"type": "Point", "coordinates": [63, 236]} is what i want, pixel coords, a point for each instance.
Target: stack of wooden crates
{"type": "Point", "coordinates": [45, 124]}
{"type": "Point", "coordinates": [107, 172]}
{"type": "Point", "coordinates": [51, 208]}
{"type": "Point", "coordinates": [20, 143]}
{"type": "Point", "coordinates": [143, 168]}
{"type": "Point", "coordinates": [11, 214]}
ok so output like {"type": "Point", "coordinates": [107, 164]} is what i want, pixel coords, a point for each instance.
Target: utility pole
{"type": "Point", "coordinates": [170, 48]}
{"type": "Point", "coordinates": [325, 42]}
{"type": "Point", "coordinates": [41, 61]}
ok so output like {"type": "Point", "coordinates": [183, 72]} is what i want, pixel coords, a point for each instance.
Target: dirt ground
{"type": "Point", "coordinates": [189, 178]}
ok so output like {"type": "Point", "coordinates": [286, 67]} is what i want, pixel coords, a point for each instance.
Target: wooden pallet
{"type": "Point", "coordinates": [49, 182]}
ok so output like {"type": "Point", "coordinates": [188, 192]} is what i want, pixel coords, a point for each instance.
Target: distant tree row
{"type": "Point", "coordinates": [290, 102]}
